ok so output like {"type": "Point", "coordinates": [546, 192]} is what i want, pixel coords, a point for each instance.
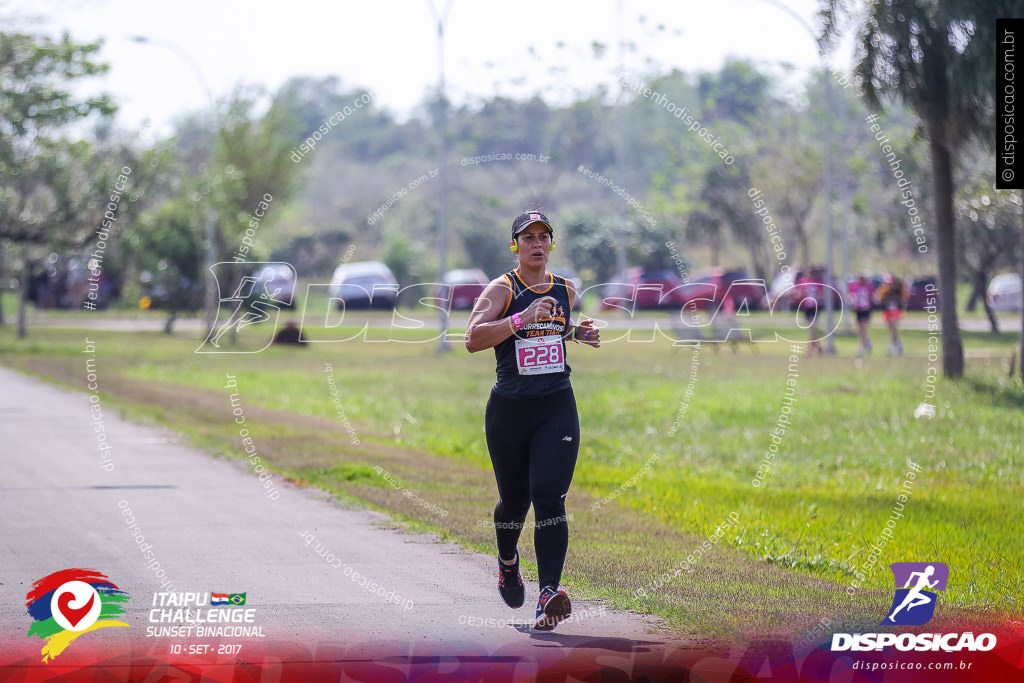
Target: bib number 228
{"type": "Point", "coordinates": [540, 355]}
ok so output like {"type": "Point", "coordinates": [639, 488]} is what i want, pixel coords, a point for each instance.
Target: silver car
{"type": "Point", "coordinates": [1004, 292]}
{"type": "Point", "coordinates": [364, 284]}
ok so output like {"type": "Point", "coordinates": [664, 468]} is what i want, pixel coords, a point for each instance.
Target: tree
{"type": "Point", "coordinates": [250, 173]}
{"type": "Point", "coordinates": [590, 255]}
{"type": "Point", "coordinates": [725, 192]}
{"type": "Point", "coordinates": [486, 246]}
{"type": "Point", "coordinates": [938, 58]}
{"type": "Point", "coordinates": [41, 197]}
{"type": "Point", "coordinates": [400, 256]}
{"type": "Point", "coordinates": [989, 225]}
{"type": "Point", "coordinates": [169, 241]}
{"type": "Point", "coordinates": [738, 92]}
{"type": "Point", "coordinates": [791, 182]}
{"type": "Point", "coordinates": [705, 228]}
{"type": "Point", "coordinates": [251, 159]}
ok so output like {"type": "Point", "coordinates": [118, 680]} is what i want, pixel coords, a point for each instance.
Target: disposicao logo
{"type": "Point", "coordinates": [71, 602]}
{"type": "Point", "coordinates": [913, 604]}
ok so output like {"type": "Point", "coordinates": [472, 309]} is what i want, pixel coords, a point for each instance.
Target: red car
{"type": "Point", "coordinates": [643, 288]}
{"type": "Point", "coordinates": [734, 284]}
{"type": "Point", "coordinates": [461, 288]}
{"type": "Point", "coordinates": [784, 294]}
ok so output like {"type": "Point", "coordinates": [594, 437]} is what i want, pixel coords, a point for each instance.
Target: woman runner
{"type": "Point", "coordinates": [531, 421]}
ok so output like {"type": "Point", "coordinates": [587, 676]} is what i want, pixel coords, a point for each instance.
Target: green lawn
{"type": "Point", "coordinates": [827, 494]}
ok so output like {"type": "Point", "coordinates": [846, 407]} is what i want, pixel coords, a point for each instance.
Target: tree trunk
{"type": "Point", "coordinates": [978, 292]}
{"type": "Point", "coordinates": [171, 317]}
{"type": "Point", "coordinates": [23, 297]}
{"type": "Point", "coordinates": [3, 285]}
{"type": "Point", "coordinates": [942, 174]}
{"type": "Point", "coordinates": [803, 242]}
{"type": "Point", "coordinates": [993, 322]}
{"type": "Point", "coordinates": [756, 264]}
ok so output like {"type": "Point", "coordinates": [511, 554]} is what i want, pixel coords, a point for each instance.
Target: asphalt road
{"type": "Point", "coordinates": [210, 524]}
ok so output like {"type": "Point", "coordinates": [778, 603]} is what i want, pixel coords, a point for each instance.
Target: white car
{"type": "Point", "coordinates": [1004, 292]}
{"type": "Point", "coordinates": [364, 284]}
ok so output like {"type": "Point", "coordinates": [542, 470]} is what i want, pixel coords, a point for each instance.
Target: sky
{"type": "Point", "coordinates": [391, 48]}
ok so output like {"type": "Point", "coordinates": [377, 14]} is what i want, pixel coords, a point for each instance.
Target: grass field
{"type": "Point", "coordinates": [678, 465]}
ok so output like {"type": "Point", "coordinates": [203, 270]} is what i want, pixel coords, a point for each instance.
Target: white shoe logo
{"type": "Point", "coordinates": [566, 438]}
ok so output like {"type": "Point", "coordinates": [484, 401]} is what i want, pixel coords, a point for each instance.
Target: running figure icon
{"type": "Point", "coordinates": [250, 307]}
{"type": "Point", "coordinates": [915, 597]}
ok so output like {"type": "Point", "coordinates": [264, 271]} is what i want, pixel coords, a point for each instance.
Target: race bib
{"type": "Point", "coordinates": [540, 355]}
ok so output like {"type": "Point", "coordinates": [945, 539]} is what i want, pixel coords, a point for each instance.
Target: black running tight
{"type": "Point", "coordinates": [533, 444]}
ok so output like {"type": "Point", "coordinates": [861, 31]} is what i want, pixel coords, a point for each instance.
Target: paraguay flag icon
{"type": "Point", "coordinates": [917, 584]}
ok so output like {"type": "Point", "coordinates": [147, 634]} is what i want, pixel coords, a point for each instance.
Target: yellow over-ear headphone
{"type": "Point", "coordinates": [515, 247]}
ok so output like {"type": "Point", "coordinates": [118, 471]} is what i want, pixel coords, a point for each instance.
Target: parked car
{"type": "Point", "coordinates": [784, 295]}
{"type": "Point", "coordinates": [1004, 292]}
{"type": "Point", "coordinates": [461, 287]}
{"type": "Point", "coordinates": [280, 282]}
{"type": "Point", "coordinates": [364, 284]}
{"type": "Point", "coordinates": [657, 288]}
{"type": "Point", "coordinates": [735, 284]}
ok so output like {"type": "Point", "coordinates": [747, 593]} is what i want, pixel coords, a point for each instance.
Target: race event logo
{"type": "Point", "coordinates": [255, 297]}
{"type": "Point", "coordinates": [70, 603]}
{"type": "Point", "coordinates": [914, 603]}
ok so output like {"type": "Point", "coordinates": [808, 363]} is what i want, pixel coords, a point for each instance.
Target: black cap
{"type": "Point", "coordinates": [525, 220]}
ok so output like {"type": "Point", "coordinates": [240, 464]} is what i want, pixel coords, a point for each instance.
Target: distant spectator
{"type": "Point", "coordinates": [893, 296]}
{"type": "Point", "coordinates": [290, 334]}
{"type": "Point", "coordinates": [39, 288]}
{"type": "Point", "coordinates": [811, 290]}
{"type": "Point", "coordinates": [862, 298]}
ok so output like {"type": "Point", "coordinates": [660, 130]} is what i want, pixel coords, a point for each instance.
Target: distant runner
{"type": "Point", "coordinates": [893, 296]}
{"type": "Point", "coordinates": [532, 426]}
{"type": "Point", "coordinates": [862, 297]}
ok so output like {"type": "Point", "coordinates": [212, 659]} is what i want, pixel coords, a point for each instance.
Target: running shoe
{"type": "Point", "coordinates": [510, 583]}
{"type": "Point", "coordinates": [552, 607]}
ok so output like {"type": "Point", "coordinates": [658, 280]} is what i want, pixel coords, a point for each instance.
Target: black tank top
{"type": "Point", "coordinates": [510, 382]}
